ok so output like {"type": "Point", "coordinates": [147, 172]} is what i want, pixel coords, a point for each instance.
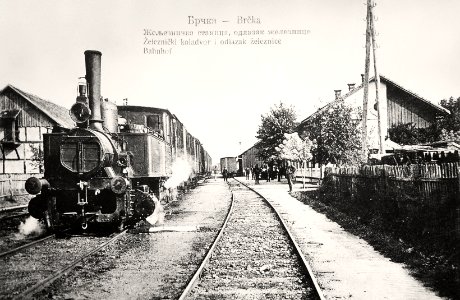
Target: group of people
{"type": "Point", "coordinates": [270, 173]}
{"type": "Point", "coordinates": [265, 172]}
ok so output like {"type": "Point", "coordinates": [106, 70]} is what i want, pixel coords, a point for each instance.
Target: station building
{"type": "Point", "coordinates": [398, 105]}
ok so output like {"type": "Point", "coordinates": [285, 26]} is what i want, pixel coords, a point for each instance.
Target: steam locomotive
{"type": "Point", "coordinates": [108, 172]}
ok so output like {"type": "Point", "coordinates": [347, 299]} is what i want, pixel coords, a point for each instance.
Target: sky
{"type": "Point", "coordinates": [220, 91]}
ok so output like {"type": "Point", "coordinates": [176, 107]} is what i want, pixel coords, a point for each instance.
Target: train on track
{"type": "Point", "coordinates": [229, 163]}
{"type": "Point", "coordinates": [115, 165]}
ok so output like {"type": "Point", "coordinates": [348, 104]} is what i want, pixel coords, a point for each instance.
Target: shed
{"type": "Point", "coordinates": [24, 118]}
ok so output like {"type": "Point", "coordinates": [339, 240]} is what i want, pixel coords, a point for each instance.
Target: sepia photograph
{"type": "Point", "coordinates": [298, 149]}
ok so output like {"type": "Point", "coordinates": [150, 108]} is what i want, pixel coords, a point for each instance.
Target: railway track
{"type": "Point", "coordinates": [14, 250]}
{"type": "Point", "coordinates": [38, 267]}
{"type": "Point", "coordinates": [13, 212]}
{"type": "Point", "coordinates": [254, 256]}
{"type": "Point", "coordinates": [14, 233]}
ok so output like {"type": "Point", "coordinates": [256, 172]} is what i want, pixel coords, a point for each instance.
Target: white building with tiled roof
{"type": "Point", "coordinates": [398, 106]}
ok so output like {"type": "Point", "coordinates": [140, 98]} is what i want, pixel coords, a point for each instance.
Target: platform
{"type": "Point", "coordinates": [346, 266]}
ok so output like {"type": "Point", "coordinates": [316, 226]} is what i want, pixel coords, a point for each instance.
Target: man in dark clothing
{"type": "Point", "coordinates": [290, 170]}
{"type": "Point", "coordinates": [225, 173]}
{"type": "Point", "coordinates": [281, 171]}
{"type": "Point", "coordinates": [257, 173]}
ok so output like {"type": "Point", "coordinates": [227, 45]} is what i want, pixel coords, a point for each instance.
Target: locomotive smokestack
{"type": "Point", "coordinates": [93, 79]}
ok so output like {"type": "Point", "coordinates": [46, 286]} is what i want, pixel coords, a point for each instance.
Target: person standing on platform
{"type": "Point", "coordinates": [290, 170]}
{"type": "Point", "coordinates": [281, 171]}
{"type": "Point", "coordinates": [247, 173]}
{"type": "Point", "coordinates": [215, 172]}
{"type": "Point", "coordinates": [225, 174]}
{"type": "Point", "coordinates": [257, 173]}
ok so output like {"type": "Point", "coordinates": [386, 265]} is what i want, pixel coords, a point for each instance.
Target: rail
{"type": "Point", "coordinates": [27, 294]}
{"type": "Point", "coordinates": [12, 185]}
{"type": "Point", "coordinates": [304, 263]}
{"type": "Point", "coordinates": [195, 279]}
{"type": "Point", "coordinates": [299, 253]}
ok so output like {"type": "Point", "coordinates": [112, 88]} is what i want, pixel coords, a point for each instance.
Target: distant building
{"type": "Point", "coordinates": [23, 120]}
{"type": "Point", "coordinates": [399, 106]}
{"type": "Point", "coordinates": [249, 159]}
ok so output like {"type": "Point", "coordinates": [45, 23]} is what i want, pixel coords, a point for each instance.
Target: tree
{"type": "Point", "coordinates": [279, 121]}
{"type": "Point", "coordinates": [37, 157]}
{"type": "Point", "coordinates": [294, 148]}
{"type": "Point", "coordinates": [408, 134]}
{"type": "Point", "coordinates": [336, 132]}
{"type": "Point", "coordinates": [450, 125]}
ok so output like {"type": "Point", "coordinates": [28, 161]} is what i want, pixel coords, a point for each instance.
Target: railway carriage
{"type": "Point", "coordinates": [231, 164]}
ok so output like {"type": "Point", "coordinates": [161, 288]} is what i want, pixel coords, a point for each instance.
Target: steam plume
{"type": "Point", "coordinates": [158, 215]}
{"type": "Point", "coordinates": [31, 226]}
{"type": "Point", "coordinates": [181, 171]}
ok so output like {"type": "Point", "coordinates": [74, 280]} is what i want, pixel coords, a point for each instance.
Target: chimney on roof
{"type": "Point", "coordinates": [337, 94]}
{"type": "Point", "coordinates": [351, 86]}
{"type": "Point", "coordinates": [362, 77]}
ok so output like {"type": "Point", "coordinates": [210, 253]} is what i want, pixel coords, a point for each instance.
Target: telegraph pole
{"type": "Point", "coordinates": [366, 76]}
{"type": "Point", "coordinates": [370, 39]}
{"type": "Point", "coordinates": [377, 86]}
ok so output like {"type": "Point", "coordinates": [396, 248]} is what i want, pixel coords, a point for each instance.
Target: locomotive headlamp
{"type": "Point", "coordinates": [80, 112]}
{"type": "Point", "coordinates": [118, 185]}
{"type": "Point", "coordinates": [34, 185]}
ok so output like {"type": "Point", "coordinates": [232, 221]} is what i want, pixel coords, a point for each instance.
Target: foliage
{"type": "Point", "coordinates": [295, 149]}
{"type": "Point", "coordinates": [274, 125]}
{"type": "Point", "coordinates": [37, 157]}
{"type": "Point", "coordinates": [450, 124]}
{"type": "Point", "coordinates": [450, 135]}
{"type": "Point", "coordinates": [336, 132]}
{"type": "Point", "coordinates": [408, 134]}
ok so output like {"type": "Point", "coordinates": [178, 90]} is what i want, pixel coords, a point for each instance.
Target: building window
{"type": "Point", "coordinates": [10, 127]}
{"type": "Point", "coordinates": [154, 123]}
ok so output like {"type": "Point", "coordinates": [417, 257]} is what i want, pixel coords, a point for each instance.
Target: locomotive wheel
{"type": "Point", "coordinates": [143, 205]}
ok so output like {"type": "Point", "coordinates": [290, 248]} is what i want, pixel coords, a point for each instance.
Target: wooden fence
{"type": "Point", "coordinates": [12, 185]}
{"type": "Point", "coordinates": [311, 175]}
{"type": "Point", "coordinates": [424, 198]}
{"type": "Point", "coordinates": [427, 178]}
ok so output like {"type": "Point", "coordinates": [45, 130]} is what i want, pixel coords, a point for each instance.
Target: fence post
{"type": "Point", "coordinates": [457, 205]}
{"type": "Point", "coordinates": [457, 220]}
{"type": "Point", "coordinates": [10, 186]}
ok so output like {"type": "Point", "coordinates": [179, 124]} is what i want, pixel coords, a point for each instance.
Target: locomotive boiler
{"type": "Point", "coordinates": [88, 177]}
